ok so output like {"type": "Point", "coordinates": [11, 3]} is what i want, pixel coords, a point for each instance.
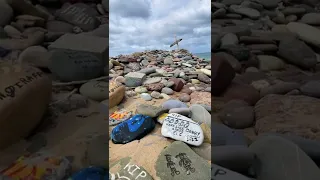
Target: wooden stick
{"type": "Point", "coordinates": [78, 82]}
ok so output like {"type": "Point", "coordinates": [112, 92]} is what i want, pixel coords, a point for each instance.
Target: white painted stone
{"type": "Point", "coordinates": [181, 128]}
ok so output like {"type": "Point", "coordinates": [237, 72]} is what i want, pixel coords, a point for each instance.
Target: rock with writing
{"type": "Point", "coordinates": [25, 93]}
{"type": "Point", "coordinates": [127, 168]}
{"type": "Point", "coordinates": [179, 162]}
{"type": "Point", "coordinates": [70, 65]}
{"type": "Point", "coordinates": [221, 173]}
{"type": "Point", "coordinates": [80, 15]}
{"type": "Point", "coordinates": [116, 93]}
{"type": "Point", "coordinates": [132, 129]}
{"type": "Point", "coordinates": [92, 172]}
{"type": "Point", "coordinates": [181, 128]}
{"type": "Point", "coordinates": [96, 90]}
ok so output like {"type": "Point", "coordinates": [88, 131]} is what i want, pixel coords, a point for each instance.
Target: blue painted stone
{"type": "Point", "coordinates": [92, 173]}
{"type": "Point", "coordinates": [132, 129]}
{"type": "Point", "coordinates": [170, 104]}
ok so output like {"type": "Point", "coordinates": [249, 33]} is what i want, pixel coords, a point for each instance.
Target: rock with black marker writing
{"type": "Point", "coordinates": [127, 168]}
{"type": "Point", "coordinates": [221, 173]}
{"type": "Point", "coordinates": [25, 92]}
{"type": "Point", "coordinates": [181, 128]}
{"type": "Point", "coordinates": [179, 162]}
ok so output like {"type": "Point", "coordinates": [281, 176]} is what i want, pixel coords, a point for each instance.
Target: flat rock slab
{"type": "Point", "coordinates": [179, 162]}
{"type": "Point", "coordinates": [181, 128]}
{"type": "Point", "coordinates": [132, 129]}
{"type": "Point", "coordinates": [292, 162]}
{"type": "Point", "coordinates": [220, 173]}
{"type": "Point", "coordinates": [126, 168]}
{"type": "Point", "coordinates": [291, 114]}
{"type": "Point", "coordinates": [96, 45]}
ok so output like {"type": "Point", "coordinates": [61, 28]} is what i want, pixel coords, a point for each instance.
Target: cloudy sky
{"type": "Point", "coordinates": [138, 25]}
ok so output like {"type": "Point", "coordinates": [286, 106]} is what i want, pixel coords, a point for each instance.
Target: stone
{"type": "Point", "coordinates": [181, 128]}
{"type": "Point", "coordinates": [149, 110]}
{"type": "Point", "coordinates": [310, 147]}
{"type": "Point", "coordinates": [184, 97]}
{"type": "Point", "coordinates": [279, 88]}
{"type": "Point", "coordinates": [95, 90]}
{"type": "Point", "coordinates": [127, 168]}
{"type": "Point", "coordinates": [229, 39]}
{"type": "Point", "coordinates": [74, 102]}
{"type": "Point", "coordinates": [203, 151]}
{"type": "Point", "coordinates": [311, 88]}
{"type": "Point", "coordinates": [161, 118]}
{"type": "Point", "coordinates": [269, 4]}
{"type": "Point", "coordinates": [206, 133]}
{"type": "Point", "coordinates": [242, 92]}
{"type": "Point", "coordinates": [293, 160]}
{"type": "Point", "coordinates": [134, 79]}
{"type": "Point", "coordinates": [178, 84]}
{"type": "Point", "coordinates": [200, 98]}
{"type": "Point", "coordinates": [29, 20]}
{"type": "Point", "coordinates": [16, 92]}
{"type": "Point", "coordinates": [12, 32]}
{"type": "Point", "coordinates": [249, 12]}
{"type": "Point", "coordinates": [156, 95]}
{"type": "Point", "coordinates": [170, 104]}
{"type": "Point", "coordinates": [120, 79]}
{"type": "Point", "coordinates": [146, 96]}
{"type": "Point", "coordinates": [283, 113]}
{"type": "Point", "coordinates": [182, 111]}
{"type": "Point", "coordinates": [155, 87]}
{"type": "Point", "coordinates": [167, 90]}
{"type": "Point", "coordinates": [168, 61]}
{"type": "Point", "coordinates": [237, 116]}
{"type": "Point", "coordinates": [101, 31]}
{"type": "Point", "coordinates": [77, 65]}
{"type": "Point", "coordinates": [6, 13]}
{"type": "Point", "coordinates": [95, 151]}
{"type": "Point", "coordinates": [305, 32]}
{"type": "Point", "coordinates": [23, 7]}
{"type": "Point", "coordinates": [33, 39]}
{"type": "Point", "coordinates": [270, 63]}
{"type": "Point", "coordinates": [223, 135]}
{"type": "Point", "coordinates": [260, 84]}
{"type": "Point", "coordinates": [204, 78]}
{"type": "Point", "coordinates": [59, 26]}
{"type": "Point", "coordinates": [116, 93]}
{"type": "Point", "coordinates": [118, 116]}
{"type": "Point", "coordinates": [152, 80]}
{"type": "Point", "coordinates": [232, 60]}
{"type": "Point", "coordinates": [80, 15]}
{"type": "Point", "coordinates": [141, 89]}
{"type": "Point", "coordinates": [221, 173]}
{"type": "Point", "coordinates": [186, 90]}
{"type": "Point", "coordinates": [234, 157]}
{"type": "Point", "coordinates": [35, 55]}
{"type": "Point", "coordinates": [134, 128]}
{"type": "Point", "coordinates": [77, 42]}
{"type": "Point", "coordinates": [206, 71]}
{"type": "Point", "coordinates": [222, 75]}
{"type": "Point", "coordinates": [200, 114]}
{"type": "Point", "coordinates": [169, 168]}
{"type": "Point", "coordinates": [311, 19]}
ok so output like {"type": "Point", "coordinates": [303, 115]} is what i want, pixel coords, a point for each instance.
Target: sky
{"type": "Point", "coordinates": [139, 25]}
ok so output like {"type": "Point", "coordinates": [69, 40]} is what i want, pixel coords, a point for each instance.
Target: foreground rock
{"type": "Point", "coordinates": [19, 85]}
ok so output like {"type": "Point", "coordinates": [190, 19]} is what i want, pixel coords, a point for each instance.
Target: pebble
{"type": "Point", "coordinates": [170, 104]}
{"type": "Point", "coordinates": [149, 110]}
{"type": "Point", "coordinates": [156, 95]}
{"type": "Point", "coordinates": [182, 111]}
{"type": "Point", "coordinates": [96, 90]}
{"type": "Point", "coordinates": [141, 89]}
{"type": "Point", "coordinates": [189, 131]}
{"type": "Point", "coordinates": [200, 114]}
{"type": "Point", "coordinates": [167, 91]}
{"type": "Point", "coordinates": [146, 96]}
{"type": "Point", "coordinates": [184, 97]}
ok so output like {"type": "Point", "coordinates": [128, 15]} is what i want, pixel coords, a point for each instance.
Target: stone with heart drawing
{"type": "Point", "coordinates": [181, 128]}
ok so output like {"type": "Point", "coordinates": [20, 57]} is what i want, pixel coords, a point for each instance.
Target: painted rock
{"type": "Point", "coordinates": [181, 128]}
{"type": "Point", "coordinates": [41, 165]}
{"type": "Point", "coordinates": [161, 118]}
{"type": "Point", "coordinates": [221, 173]}
{"type": "Point", "coordinates": [179, 162]}
{"type": "Point", "coordinates": [95, 90]}
{"type": "Point", "coordinates": [132, 129]}
{"type": "Point", "coordinates": [116, 93]}
{"type": "Point", "coordinates": [21, 105]}
{"type": "Point", "coordinates": [93, 173]}
{"type": "Point", "coordinates": [119, 116]}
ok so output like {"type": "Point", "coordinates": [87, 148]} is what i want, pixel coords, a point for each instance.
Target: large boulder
{"type": "Point", "coordinates": [25, 93]}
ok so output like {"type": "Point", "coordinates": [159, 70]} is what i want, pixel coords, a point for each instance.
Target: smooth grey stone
{"type": "Point", "coordinates": [221, 173]}
{"type": "Point", "coordinates": [223, 135]}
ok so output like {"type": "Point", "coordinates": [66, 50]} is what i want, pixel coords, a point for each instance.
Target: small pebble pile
{"type": "Point", "coordinates": [182, 81]}
{"type": "Point", "coordinates": [266, 126]}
